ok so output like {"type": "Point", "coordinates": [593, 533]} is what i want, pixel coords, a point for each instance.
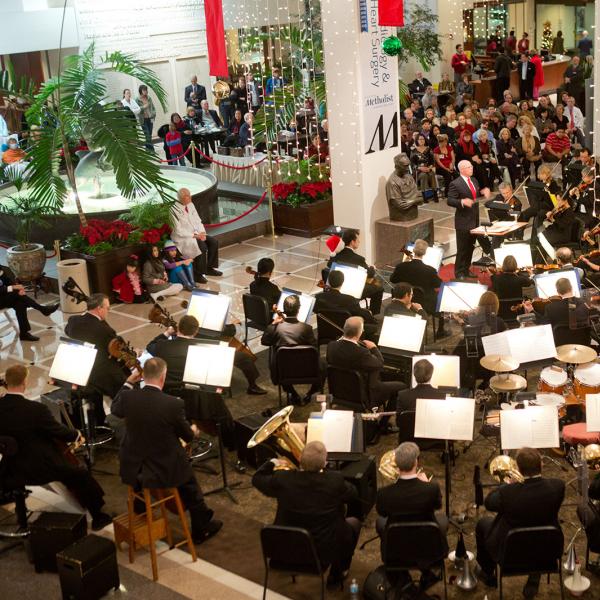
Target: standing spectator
{"type": "Point", "coordinates": [526, 72]}
{"type": "Point", "coordinates": [574, 82]}
{"type": "Point", "coordinates": [209, 119]}
{"type": "Point", "coordinates": [194, 88]}
{"type": "Point", "coordinates": [174, 143]}
{"type": "Point", "coordinates": [254, 92]}
{"type": "Point", "coordinates": [538, 78]}
{"type": "Point", "coordinates": [585, 45]}
{"type": "Point", "coordinates": [147, 114]}
{"type": "Point", "coordinates": [459, 62]}
{"type": "Point", "coordinates": [523, 45]}
{"type": "Point", "coordinates": [130, 103]}
{"type": "Point", "coordinates": [503, 67]}
{"type": "Point", "coordinates": [510, 44]}
{"type": "Point", "coordinates": [242, 95]}
{"type": "Point", "coordinates": [227, 108]}
{"type": "Point", "coordinates": [558, 44]}
{"type": "Point", "coordinates": [274, 82]}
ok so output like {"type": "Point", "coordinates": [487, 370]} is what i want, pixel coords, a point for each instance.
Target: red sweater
{"type": "Point", "coordinates": [173, 141]}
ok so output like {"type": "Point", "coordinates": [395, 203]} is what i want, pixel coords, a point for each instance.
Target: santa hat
{"type": "Point", "coordinates": [335, 244]}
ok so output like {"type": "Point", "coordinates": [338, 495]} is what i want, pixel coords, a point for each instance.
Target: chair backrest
{"type": "Point", "coordinates": [564, 334]}
{"type": "Point", "coordinates": [409, 545]}
{"type": "Point", "coordinates": [531, 549]}
{"type": "Point", "coordinates": [405, 421]}
{"type": "Point", "coordinates": [326, 332]}
{"type": "Point", "coordinates": [297, 364]}
{"type": "Point", "coordinates": [289, 548]}
{"type": "Point", "coordinates": [8, 448]}
{"type": "Point", "coordinates": [256, 310]}
{"type": "Point", "coordinates": [348, 388]}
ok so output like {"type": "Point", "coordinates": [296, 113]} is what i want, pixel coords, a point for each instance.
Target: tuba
{"type": "Point", "coordinates": [591, 455]}
{"type": "Point", "coordinates": [220, 91]}
{"type": "Point", "coordinates": [279, 432]}
{"type": "Point", "coordinates": [503, 467]}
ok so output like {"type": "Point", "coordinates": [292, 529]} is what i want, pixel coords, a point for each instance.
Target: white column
{"type": "Point", "coordinates": [596, 89]}
{"type": "Point", "coordinates": [363, 115]}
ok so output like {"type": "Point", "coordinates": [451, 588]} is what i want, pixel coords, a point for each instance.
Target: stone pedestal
{"type": "Point", "coordinates": [390, 236]}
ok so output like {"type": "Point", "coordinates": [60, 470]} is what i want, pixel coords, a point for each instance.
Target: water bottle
{"type": "Point", "coordinates": [354, 590]}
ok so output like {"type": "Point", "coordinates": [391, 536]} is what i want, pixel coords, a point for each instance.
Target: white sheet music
{"type": "Point", "coordinates": [210, 310]}
{"type": "Point", "coordinates": [547, 246]}
{"type": "Point", "coordinates": [354, 279]}
{"type": "Point", "coordinates": [458, 296]}
{"type": "Point", "coordinates": [209, 364]}
{"type": "Point", "coordinates": [446, 370]}
{"type": "Point", "coordinates": [521, 253]}
{"type": "Point", "coordinates": [545, 283]}
{"type": "Point", "coordinates": [526, 344]}
{"type": "Point", "coordinates": [450, 419]}
{"type": "Point", "coordinates": [307, 303]}
{"type": "Point", "coordinates": [592, 412]}
{"type": "Point", "coordinates": [73, 363]}
{"type": "Point", "coordinates": [402, 333]}
{"type": "Point", "coordinates": [333, 428]}
{"type": "Point", "coordinates": [433, 255]}
{"type": "Point", "coordinates": [535, 427]}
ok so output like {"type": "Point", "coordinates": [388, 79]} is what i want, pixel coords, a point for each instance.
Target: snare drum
{"type": "Point", "coordinates": [586, 380]}
{"type": "Point", "coordinates": [553, 379]}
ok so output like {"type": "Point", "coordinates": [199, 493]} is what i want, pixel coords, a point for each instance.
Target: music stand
{"type": "Point", "coordinates": [592, 412]}
{"type": "Point", "coordinates": [355, 278]}
{"type": "Point", "coordinates": [525, 344]}
{"type": "Point", "coordinates": [545, 283]}
{"type": "Point", "coordinates": [520, 250]}
{"type": "Point", "coordinates": [402, 334]}
{"type": "Point", "coordinates": [459, 296]}
{"type": "Point", "coordinates": [307, 303]}
{"type": "Point", "coordinates": [209, 367]}
{"type": "Point", "coordinates": [446, 370]}
{"type": "Point", "coordinates": [211, 310]}
{"type": "Point", "coordinates": [533, 427]}
{"type": "Point", "coordinates": [449, 420]}
{"type": "Point", "coordinates": [433, 255]}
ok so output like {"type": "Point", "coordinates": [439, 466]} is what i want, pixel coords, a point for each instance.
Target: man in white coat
{"type": "Point", "coordinates": [189, 235]}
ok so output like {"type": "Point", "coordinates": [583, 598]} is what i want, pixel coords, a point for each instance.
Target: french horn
{"type": "Point", "coordinates": [388, 467]}
{"type": "Point", "coordinates": [591, 455]}
{"type": "Point", "coordinates": [221, 91]}
{"type": "Point", "coordinates": [504, 467]}
{"type": "Point", "coordinates": [279, 432]}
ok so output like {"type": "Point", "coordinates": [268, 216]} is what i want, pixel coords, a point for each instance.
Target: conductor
{"type": "Point", "coordinates": [462, 195]}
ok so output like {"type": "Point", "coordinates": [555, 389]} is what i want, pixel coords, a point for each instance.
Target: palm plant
{"type": "Point", "coordinates": [73, 106]}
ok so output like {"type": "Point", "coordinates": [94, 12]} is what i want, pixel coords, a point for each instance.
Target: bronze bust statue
{"type": "Point", "coordinates": [403, 196]}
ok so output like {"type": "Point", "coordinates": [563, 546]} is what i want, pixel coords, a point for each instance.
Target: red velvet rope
{"type": "Point", "coordinates": [210, 225]}
{"type": "Point", "coordinates": [167, 160]}
{"type": "Point", "coordinates": [216, 162]}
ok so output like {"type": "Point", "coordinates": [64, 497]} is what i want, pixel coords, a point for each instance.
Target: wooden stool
{"type": "Point", "coordinates": [147, 528]}
{"type": "Point", "coordinates": [576, 434]}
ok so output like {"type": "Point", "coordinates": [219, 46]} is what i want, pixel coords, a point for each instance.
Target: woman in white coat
{"type": "Point", "coordinates": [189, 235]}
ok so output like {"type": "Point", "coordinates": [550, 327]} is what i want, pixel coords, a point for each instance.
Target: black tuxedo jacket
{"type": "Point", "coordinates": [200, 93]}
{"type": "Point", "coordinates": [407, 399]}
{"type": "Point", "coordinates": [465, 219]}
{"type": "Point", "coordinates": [557, 313]}
{"type": "Point", "coordinates": [530, 73]}
{"type": "Point", "coordinates": [409, 500]}
{"type": "Point", "coordinates": [261, 286]}
{"type": "Point", "coordinates": [418, 274]}
{"type": "Point", "coordinates": [313, 501]}
{"type": "Point", "coordinates": [510, 285]}
{"type": "Point", "coordinates": [395, 307]}
{"type": "Point", "coordinates": [419, 87]}
{"type": "Point", "coordinates": [107, 375]}
{"type": "Point", "coordinates": [214, 115]}
{"type": "Point", "coordinates": [535, 502]}
{"type": "Point", "coordinates": [151, 452]}
{"type": "Point", "coordinates": [348, 355]}
{"type": "Point", "coordinates": [174, 353]}
{"type": "Point", "coordinates": [348, 256]}
{"type": "Point", "coordinates": [38, 459]}
{"type": "Point", "coordinates": [290, 332]}
{"type": "Point", "coordinates": [335, 300]}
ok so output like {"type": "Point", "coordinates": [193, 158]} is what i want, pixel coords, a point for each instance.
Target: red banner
{"type": "Point", "coordinates": [215, 38]}
{"type": "Point", "coordinates": [391, 13]}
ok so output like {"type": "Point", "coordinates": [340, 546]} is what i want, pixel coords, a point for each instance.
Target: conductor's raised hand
{"type": "Point", "coordinates": [485, 192]}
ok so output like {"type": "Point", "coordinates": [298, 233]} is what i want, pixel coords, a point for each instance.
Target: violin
{"type": "Point", "coordinates": [588, 236]}
{"type": "Point", "coordinates": [539, 304]}
{"type": "Point", "coordinates": [546, 267]}
{"type": "Point", "coordinates": [124, 353]}
{"type": "Point", "coordinates": [406, 252]}
{"type": "Point", "coordinates": [592, 254]}
{"type": "Point", "coordinates": [562, 206]}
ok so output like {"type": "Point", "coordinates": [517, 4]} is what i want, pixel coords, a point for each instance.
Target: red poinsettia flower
{"type": "Point", "coordinates": [282, 190]}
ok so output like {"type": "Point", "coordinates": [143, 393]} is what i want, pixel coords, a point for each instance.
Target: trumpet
{"type": "Point", "coordinates": [504, 467]}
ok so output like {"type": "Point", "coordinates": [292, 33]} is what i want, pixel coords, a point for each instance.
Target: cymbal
{"type": "Point", "coordinates": [499, 363]}
{"type": "Point", "coordinates": [508, 383]}
{"type": "Point", "coordinates": [576, 354]}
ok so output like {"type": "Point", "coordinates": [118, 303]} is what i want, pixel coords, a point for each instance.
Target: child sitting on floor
{"type": "Point", "coordinates": [128, 284]}
{"type": "Point", "coordinates": [155, 278]}
{"type": "Point", "coordinates": [180, 269]}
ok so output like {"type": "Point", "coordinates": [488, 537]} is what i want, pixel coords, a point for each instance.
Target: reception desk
{"type": "Point", "coordinates": [553, 79]}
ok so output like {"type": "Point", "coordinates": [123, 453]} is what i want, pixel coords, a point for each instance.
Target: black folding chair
{"type": "Point", "coordinates": [329, 324]}
{"type": "Point", "coordinates": [297, 365]}
{"type": "Point", "coordinates": [349, 389]}
{"type": "Point", "coordinates": [290, 550]}
{"type": "Point", "coordinates": [257, 313]}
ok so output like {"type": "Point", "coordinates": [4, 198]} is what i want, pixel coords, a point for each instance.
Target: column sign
{"type": "Point", "coordinates": [379, 85]}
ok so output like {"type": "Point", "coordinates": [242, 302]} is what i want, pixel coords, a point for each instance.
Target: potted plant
{"type": "Point", "coordinates": [26, 259]}
{"type": "Point", "coordinates": [302, 203]}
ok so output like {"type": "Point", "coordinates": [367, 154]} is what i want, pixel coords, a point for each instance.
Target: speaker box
{"type": "Point", "coordinates": [245, 428]}
{"type": "Point", "coordinates": [88, 568]}
{"type": "Point", "coordinates": [362, 474]}
{"type": "Point", "coordinates": [52, 532]}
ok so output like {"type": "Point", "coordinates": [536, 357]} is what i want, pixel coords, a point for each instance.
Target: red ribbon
{"type": "Point", "coordinates": [391, 13]}
{"type": "Point", "coordinates": [215, 38]}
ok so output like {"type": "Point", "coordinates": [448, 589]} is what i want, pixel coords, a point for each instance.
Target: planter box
{"type": "Point", "coordinates": [307, 220]}
{"type": "Point", "coordinates": [103, 267]}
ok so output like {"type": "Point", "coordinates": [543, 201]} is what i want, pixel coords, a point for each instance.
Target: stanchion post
{"type": "Point", "coordinates": [270, 159]}
{"type": "Point", "coordinates": [193, 147]}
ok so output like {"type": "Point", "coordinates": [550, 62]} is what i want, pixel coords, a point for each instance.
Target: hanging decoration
{"type": "Point", "coordinates": [391, 13]}
{"type": "Point", "coordinates": [215, 38]}
{"type": "Point", "coordinates": [547, 36]}
{"type": "Point", "coordinates": [392, 45]}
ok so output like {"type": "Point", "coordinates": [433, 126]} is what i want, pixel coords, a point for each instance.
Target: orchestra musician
{"type": "Point", "coordinates": [584, 195]}
{"type": "Point", "coordinates": [462, 195]}
{"type": "Point", "coordinates": [542, 195]}
{"type": "Point", "coordinates": [504, 197]}
{"type": "Point", "coordinates": [151, 453]}
{"type": "Point", "coordinates": [412, 498]}
{"type": "Point", "coordinates": [333, 299]}
{"type": "Point", "coordinates": [172, 347]}
{"type": "Point", "coordinates": [40, 459]}
{"type": "Point", "coordinates": [314, 499]}
{"type": "Point", "coordinates": [418, 274]}
{"type": "Point", "coordinates": [107, 376]}
{"type": "Point", "coordinates": [535, 502]}
{"type": "Point", "coordinates": [288, 331]}
{"type": "Point", "coordinates": [373, 289]}
{"type": "Point", "coordinates": [564, 260]}
{"type": "Point", "coordinates": [365, 357]}
{"type": "Point", "coordinates": [508, 284]}
{"type": "Point", "coordinates": [262, 284]}
{"type": "Point", "coordinates": [402, 304]}
{"type": "Point", "coordinates": [561, 219]}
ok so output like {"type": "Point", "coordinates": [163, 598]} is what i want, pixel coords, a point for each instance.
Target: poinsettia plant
{"type": "Point", "coordinates": [303, 182]}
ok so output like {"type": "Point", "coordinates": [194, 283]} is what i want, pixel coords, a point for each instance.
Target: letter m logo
{"type": "Point", "coordinates": [383, 139]}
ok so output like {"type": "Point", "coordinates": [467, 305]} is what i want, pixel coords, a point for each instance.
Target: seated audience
{"type": "Point", "coordinates": [444, 158]}
{"type": "Point", "coordinates": [178, 268]}
{"type": "Point", "coordinates": [128, 285]}
{"type": "Point", "coordinates": [155, 278]}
